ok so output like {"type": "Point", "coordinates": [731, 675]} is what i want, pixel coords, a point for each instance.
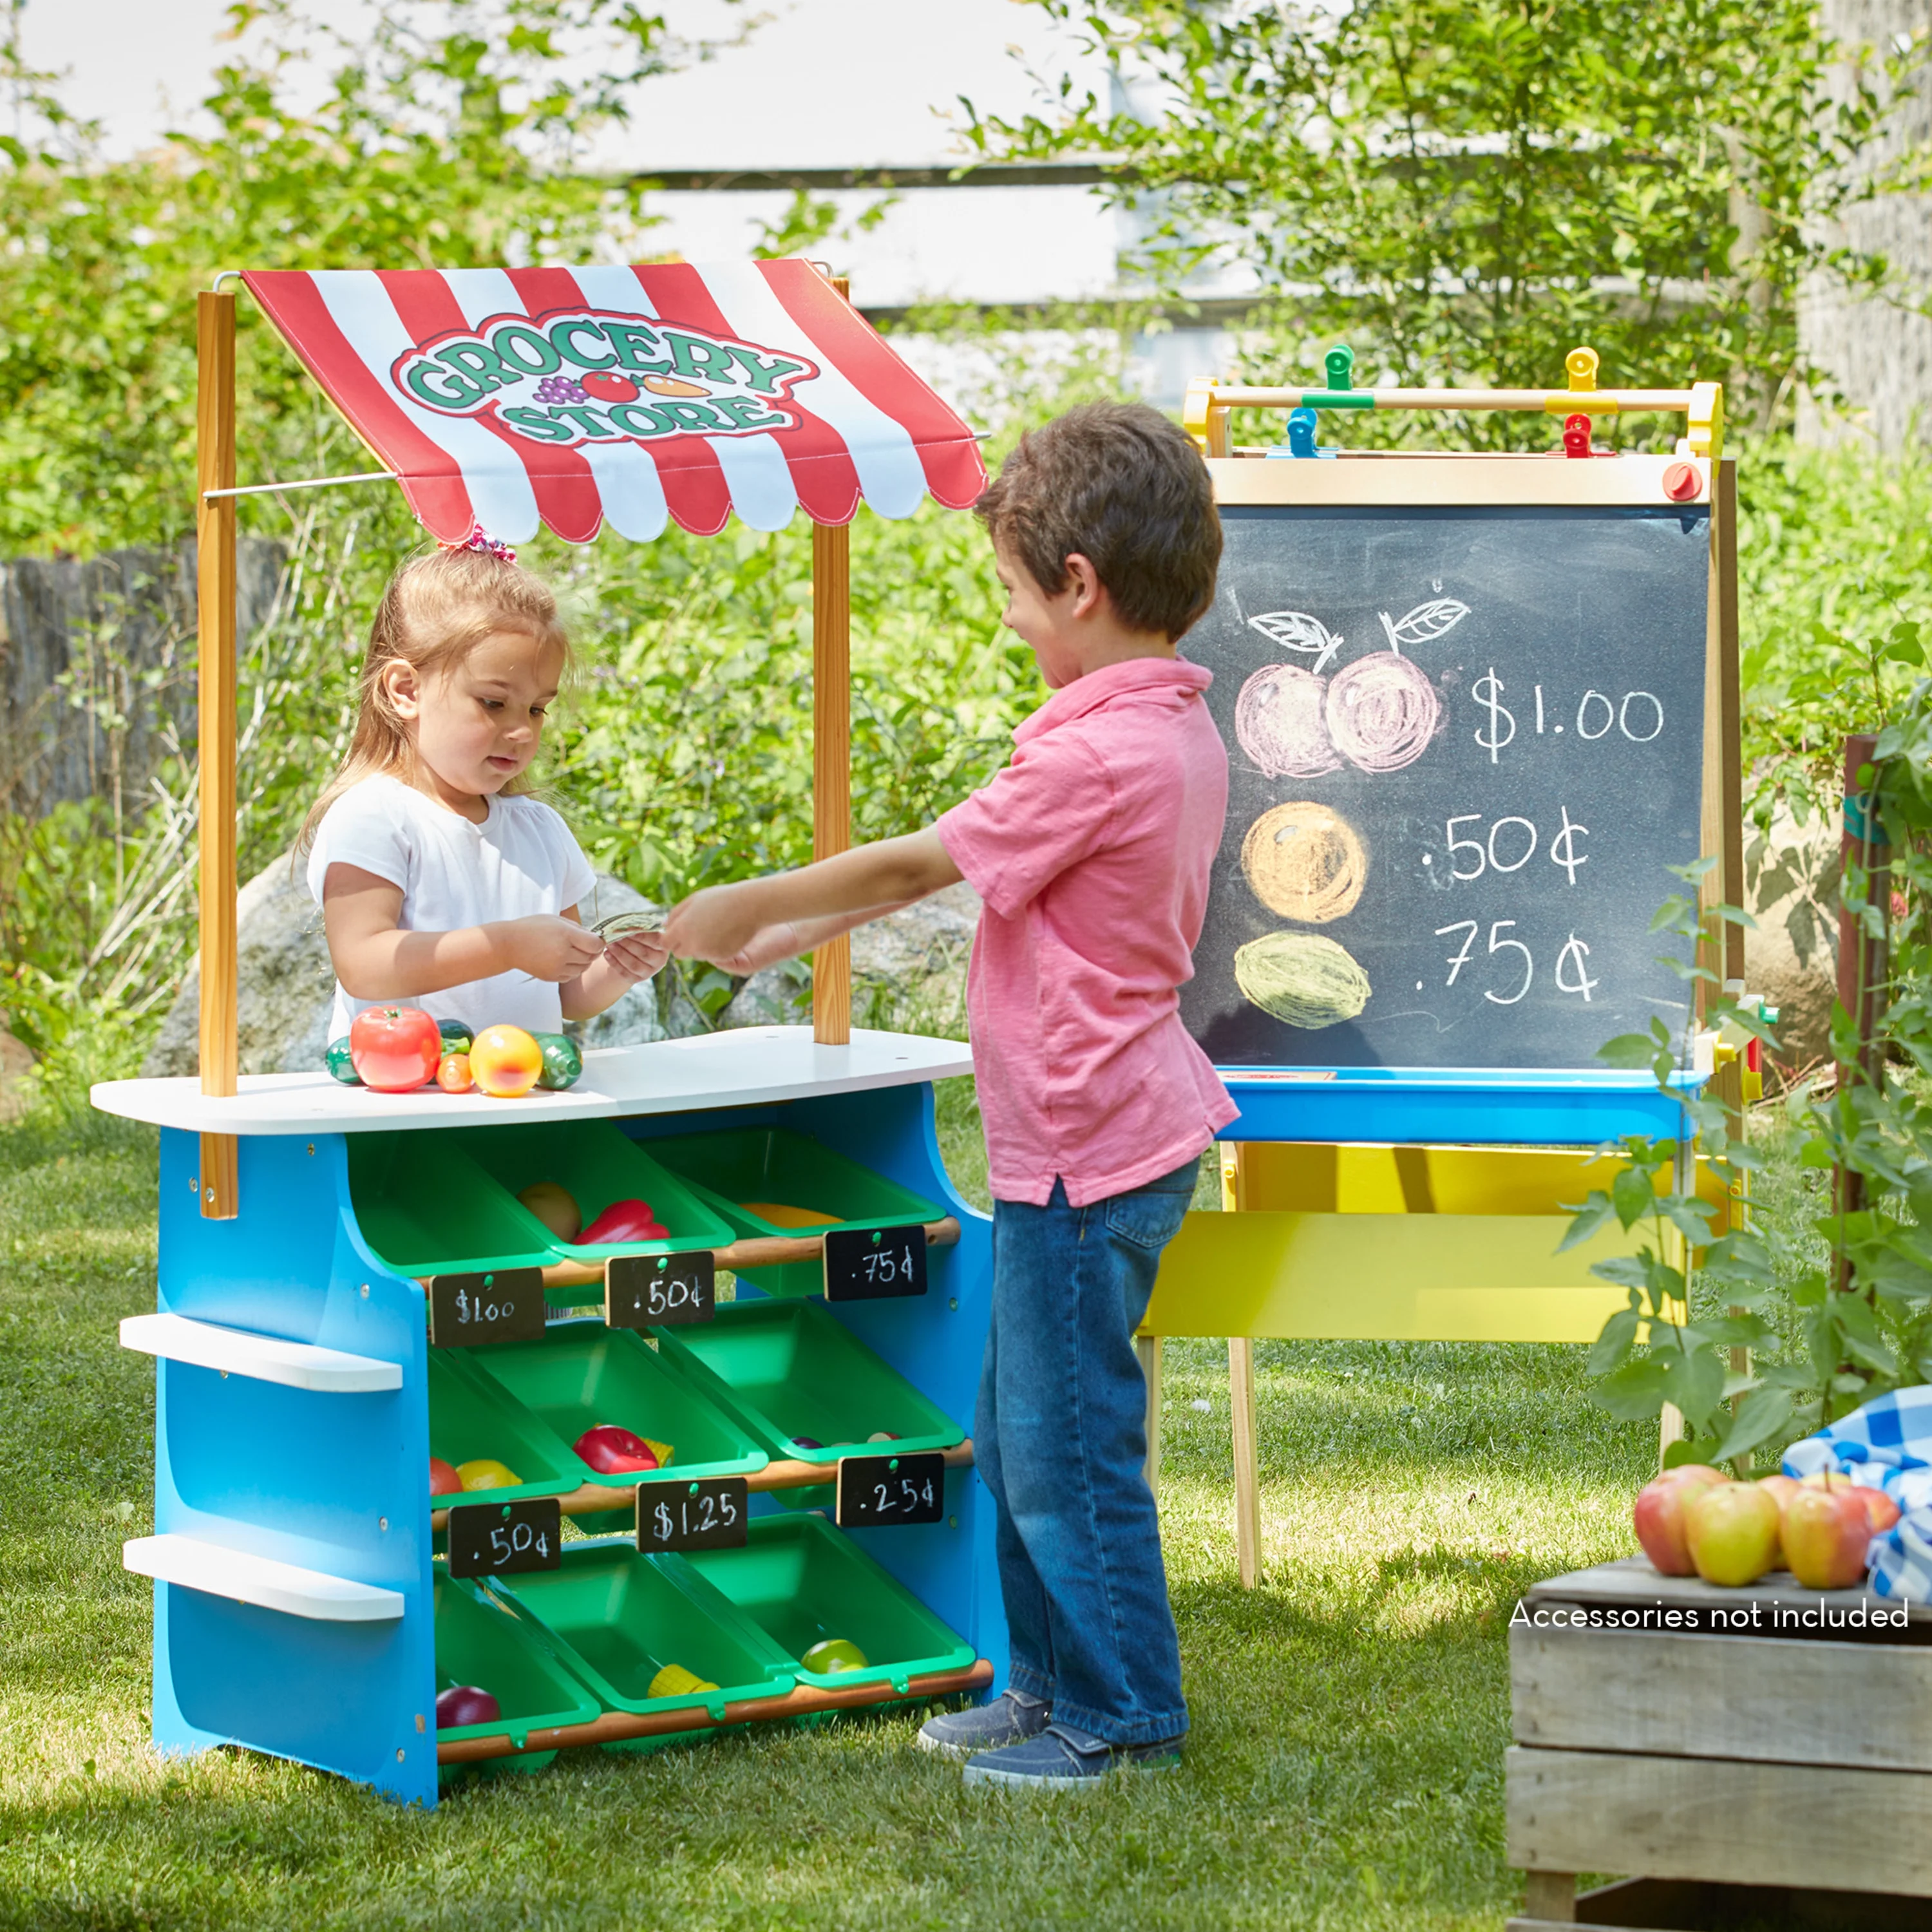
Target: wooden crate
{"type": "Point", "coordinates": [1756, 1757]}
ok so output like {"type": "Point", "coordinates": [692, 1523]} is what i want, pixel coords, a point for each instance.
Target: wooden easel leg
{"type": "Point", "coordinates": [1247, 1489]}
{"type": "Point", "coordinates": [1147, 1347]}
{"type": "Point", "coordinates": [1669, 1428]}
{"type": "Point", "coordinates": [1550, 1895]}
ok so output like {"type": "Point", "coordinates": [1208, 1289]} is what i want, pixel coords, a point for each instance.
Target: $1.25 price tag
{"type": "Point", "coordinates": [869, 1263]}
{"type": "Point", "coordinates": [882, 1492]}
{"type": "Point", "coordinates": [466, 1308]}
{"type": "Point", "coordinates": [710, 1514]}
{"type": "Point", "coordinates": [655, 1291]}
{"type": "Point", "coordinates": [501, 1539]}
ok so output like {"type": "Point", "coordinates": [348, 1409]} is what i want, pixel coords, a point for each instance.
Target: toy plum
{"type": "Point", "coordinates": [465, 1704]}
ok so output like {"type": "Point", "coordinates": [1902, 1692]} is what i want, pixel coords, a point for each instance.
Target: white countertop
{"type": "Point", "coordinates": [746, 1067]}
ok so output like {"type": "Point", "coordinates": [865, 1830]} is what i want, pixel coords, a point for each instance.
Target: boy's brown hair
{"type": "Point", "coordinates": [1120, 484]}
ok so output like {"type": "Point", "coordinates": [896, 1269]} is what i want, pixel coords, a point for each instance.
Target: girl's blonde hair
{"type": "Point", "coordinates": [435, 610]}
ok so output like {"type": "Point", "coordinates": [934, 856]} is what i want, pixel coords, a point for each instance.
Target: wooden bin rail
{"type": "Point", "coordinates": [803, 1701]}
{"type": "Point", "coordinates": [742, 1257]}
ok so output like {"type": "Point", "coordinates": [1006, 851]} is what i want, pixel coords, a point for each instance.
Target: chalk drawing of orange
{"type": "Point", "coordinates": [1279, 722]}
{"type": "Point", "coordinates": [1305, 861]}
{"type": "Point", "coordinates": [1381, 712]}
{"type": "Point", "coordinates": [669, 385]}
{"type": "Point", "coordinates": [1304, 979]}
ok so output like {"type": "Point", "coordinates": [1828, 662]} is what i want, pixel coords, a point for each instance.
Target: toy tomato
{"type": "Point", "coordinates": [505, 1062]}
{"type": "Point", "coordinates": [608, 387]}
{"type": "Point", "coordinates": [623, 1221]}
{"type": "Point", "coordinates": [452, 1073]}
{"type": "Point", "coordinates": [443, 1480]}
{"type": "Point", "coordinates": [395, 1049]}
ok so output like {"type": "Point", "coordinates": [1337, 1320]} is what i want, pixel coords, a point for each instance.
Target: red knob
{"type": "Point", "coordinates": [1681, 482]}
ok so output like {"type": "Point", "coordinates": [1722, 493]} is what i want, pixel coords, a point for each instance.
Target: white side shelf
{"type": "Point", "coordinates": [259, 1580]}
{"type": "Point", "coordinates": [267, 1358]}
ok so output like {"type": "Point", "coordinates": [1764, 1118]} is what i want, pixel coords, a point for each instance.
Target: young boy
{"type": "Point", "coordinates": [1091, 852]}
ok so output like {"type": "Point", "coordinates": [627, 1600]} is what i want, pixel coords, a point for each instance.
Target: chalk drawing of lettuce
{"type": "Point", "coordinates": [1422, 626]}
{"type": "Point", "coordinates": [1297, 631]}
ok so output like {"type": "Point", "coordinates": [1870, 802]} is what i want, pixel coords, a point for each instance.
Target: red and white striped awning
{"type": "Point", "coordinates": [504, 396]}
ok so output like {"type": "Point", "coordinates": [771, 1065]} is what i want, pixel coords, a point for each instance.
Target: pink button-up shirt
{"type": "Point", "coordinates": [1091, 851]}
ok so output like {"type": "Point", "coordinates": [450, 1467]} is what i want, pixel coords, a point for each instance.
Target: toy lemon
{"type": "Point", "coordinates": [505, 1062]}
{"type": "Point", "coordinates": [674, 1680]}
{"type": "Point", "coordinates": [835, 1653]}
{"type": "Point", "coordinates": [485, 1472]}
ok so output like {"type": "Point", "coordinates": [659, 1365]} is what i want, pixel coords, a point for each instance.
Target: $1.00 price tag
{"type": "Point", "coordinates": [502, 1539]}
{"type": "Point", "coordinates": [870, 1263]}
{"type": "Point", "coordinates": [655, 1291]}
{"type": "Point", "coordinates": [882, 1492]}
{"type": "Point", "coordinates": [466, 1308]}
{"type": "Point", "coordinates": [710, 1514]}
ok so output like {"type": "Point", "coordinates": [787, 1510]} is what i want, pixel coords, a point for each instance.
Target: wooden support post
{"type": "Point", "coordinates": [1147, 1347]}
{"type": "Point", "coordinates": [214, 532]}
{"type": "Point", "coordinates": [1550, 1897]}
{"type": "Point", "coordinates": [1241, 1402]}
{"type": "Point", "coordinates": [1863, 966]}
{"type": "Point", "coordinates": [1731, 756]}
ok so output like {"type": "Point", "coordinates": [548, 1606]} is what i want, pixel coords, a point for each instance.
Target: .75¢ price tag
{"type": "Point", "coordinates": [655, 1291]}
{"type": "Point", "coordinates": [710, 1514]}
{"type": "Point", "coordinates": [503, 1539]}
{"type": "Point", "coordinates": [882, 1492]}
{"type": "Point", "coordinates": [870, 1264]}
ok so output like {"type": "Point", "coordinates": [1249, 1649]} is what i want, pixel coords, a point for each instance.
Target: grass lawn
{"type": "Point", "coordinates": [1345, 1770]}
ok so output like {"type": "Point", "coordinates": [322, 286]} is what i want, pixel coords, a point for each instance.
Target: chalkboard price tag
{"type": "Point", "coordinates": [871, 1264]}
{"type": "Point", "coordinates": [502, 1539]}
{"type": "Point", "coordinates": [707, 1515]}
{"type": "Point", "coordinates": [657, 1291]}
{"type": "Point", "coordinates": [885, 1492]}
{"type": "Point", "coordinates": [465, 1310]}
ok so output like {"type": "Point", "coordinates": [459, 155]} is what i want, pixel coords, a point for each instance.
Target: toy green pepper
{"type": "Point", "coordinates": [562, 1062]}
{"type": "Point", "coordinates": [340, 1065]}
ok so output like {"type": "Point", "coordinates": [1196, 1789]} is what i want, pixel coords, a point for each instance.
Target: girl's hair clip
{"type": "Point", "coordinates": [480, 539]}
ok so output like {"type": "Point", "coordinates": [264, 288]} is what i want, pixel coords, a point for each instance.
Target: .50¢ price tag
{"type": "Point", "coordinates": [870, 1263]}
{"type": "Point", "coordinates": [882, 1492]}
{"type": "Point", "coordinates": [505, 1307]}
{"type": "Point", "coordinates": [655, 1291]}
{"type": "Point", "coordinates": [502, 1539]}
{"type": "Point", "coordinates": [710, 1514]}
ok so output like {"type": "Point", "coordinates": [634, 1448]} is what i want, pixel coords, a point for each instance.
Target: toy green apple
{"type": "Point", "coordinates": [1658, 1516]}
{"type": "Point", "coordinates": [831, 1655]}
{"type": "Point", "coordinates": [1825, 1533]}
{"type": "Point", "coordinates": [1732, 1530]}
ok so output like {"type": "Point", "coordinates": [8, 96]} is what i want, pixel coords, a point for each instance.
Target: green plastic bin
{"type": "Point", "coordinates": [582, 1373]}
{"type": "Point", "coordinates": [774, 1165]}
{"type": "Point", "coordinates": [481, 1641]}
{"type": "Point", "coordinates": [616, 1619]}
{"type": "Point", "coordinates": [425, 1208]}
{"type": "Point", "coordinates": [801, 1582]}
{"type": "Point", "coordinates": [599, 1164]}
{"type": "Point", "coordinates": [470, 1416]}
{"type": "Point", "coordinates": [788, 1369]}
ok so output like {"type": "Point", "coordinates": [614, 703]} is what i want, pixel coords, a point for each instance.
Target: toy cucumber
{"type": "Point", "coordinates": [456, 1036]}
{"type": "Point", "coordinates": [562, 1062]}
{"type": "Point", "coordinates": [339, 1064]}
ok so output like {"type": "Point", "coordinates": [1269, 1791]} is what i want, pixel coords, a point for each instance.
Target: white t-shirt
{"type": "Point", "coordinates": [521, 860]}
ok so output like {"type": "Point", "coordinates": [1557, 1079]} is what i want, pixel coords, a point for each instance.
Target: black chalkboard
{"type": "Point", "coordinates": [660, 1291]}
{"type": "Point", "coordinates": [1452, 801]}
{"type": "Point", "coordinates": [467, 1310]}
{"type": "Point", "coordinates": [884, 1492]}
{"type": "Point", "coordinates": [505, 1539]}
{"type": "Point", "coordinates": [874, 1264]}
{"type": "Point", "coordinates": [711, 1514]}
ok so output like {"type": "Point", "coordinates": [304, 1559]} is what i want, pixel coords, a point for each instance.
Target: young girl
{"type": "Point", "coordinates": [441, 886]}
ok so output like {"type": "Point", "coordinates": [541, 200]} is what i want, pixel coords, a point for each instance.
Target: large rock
{"type": "Point", "coordinates": [1791, 881]}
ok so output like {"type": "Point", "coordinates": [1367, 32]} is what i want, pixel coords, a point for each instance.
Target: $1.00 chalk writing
{"type": "Point", "coordinates": [1638, 716]}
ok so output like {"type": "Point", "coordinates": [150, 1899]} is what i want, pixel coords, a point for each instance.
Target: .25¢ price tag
{"type": "Point", "coordinates": [882, 1492]}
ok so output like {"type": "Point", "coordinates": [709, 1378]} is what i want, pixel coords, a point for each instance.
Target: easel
{"type": "Point", "coordinates": [215, 522]}
{"type": "Point", "coordinates": [1443, 1230]}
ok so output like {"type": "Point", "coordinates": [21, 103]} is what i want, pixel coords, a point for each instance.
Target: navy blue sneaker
{"type": "Point", "coordinates": [1009, 1719]}
{"type": "Point", "coordinates": [1063, 1759]}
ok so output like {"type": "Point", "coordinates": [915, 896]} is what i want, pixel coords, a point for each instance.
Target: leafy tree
{"type": "Point", "coordinates": [1466, 189]}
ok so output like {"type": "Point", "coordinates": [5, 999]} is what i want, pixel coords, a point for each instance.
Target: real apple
{"type": "Point", "coordinates": [1659, 1516]}
{"type": "Point", "coordinates": [1732, 1530]}
{"type": "Point", "coordinates": [1880, 1510]}
{"type": "Point", "coordinates": [1824, 1536]}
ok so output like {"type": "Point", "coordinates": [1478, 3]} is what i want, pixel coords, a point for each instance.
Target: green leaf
{"type": "Point", "coordinates": [1761, 1415]}
{"type": "Point", "coordinates": [1690, 1449]}
{"type": "Point", "coordinates": [1631, 1051]}
{"type": "Point", "coordinates": [1591, 1215]}
{"type": "Point", "coordinates": [1634, 1392]}
{"type": "Point", "coordinates": [1612, 1346]}
{"type": "Point", "coordinates": [1632, 1196]}
{"type": "Point", "coordinates": [1694, 1381]}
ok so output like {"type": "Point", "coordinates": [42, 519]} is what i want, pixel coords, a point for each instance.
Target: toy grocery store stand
{"type": "Point", "coordinates": [1474, 707]}
{"type": "Point", "coordinates": [349, 1285]}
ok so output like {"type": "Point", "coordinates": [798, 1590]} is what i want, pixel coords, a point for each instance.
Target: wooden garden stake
{"type": "Point", "coordinates": [832, 753]}
{"type": "Point", "coordinates": [1862, 959]}
{"type": "Point", "coordinates": [214, 531]}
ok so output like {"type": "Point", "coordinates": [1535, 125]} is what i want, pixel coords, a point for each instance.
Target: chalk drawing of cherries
{"type": "Point", "coordinates": [607, 388]}
{"type": "Point", "coordinates": [1379, 712]}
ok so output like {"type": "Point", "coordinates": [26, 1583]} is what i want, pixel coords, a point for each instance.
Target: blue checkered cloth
{"type": "Point", "coordinates": [1885, 1445]}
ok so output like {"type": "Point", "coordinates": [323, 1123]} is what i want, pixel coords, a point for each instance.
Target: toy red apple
{"type": "Point", "coordinates": [612, 1451]}
{"type": "Point", "coordinates": [394, 1049]}
{"type": "Point", "coordinates": [443, 1479]}
{"type": "Point", "coordinates": [1732, 1530]}
{"type": "Point", "coordinates": [623, 1221]}
{"type": "Point", "coordinates": [1658, 1516]}
{"type": "Point", "coordinates": [465, 1704]}
{"type": "Point", "coordinates": [1825, 1533]}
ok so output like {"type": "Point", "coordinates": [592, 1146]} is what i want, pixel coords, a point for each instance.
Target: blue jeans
{"type": "Point", "coordinates": [1060, 1438]}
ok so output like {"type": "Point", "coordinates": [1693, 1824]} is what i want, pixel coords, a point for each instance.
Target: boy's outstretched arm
{"type": "Point", "coordinates": [757, 921]}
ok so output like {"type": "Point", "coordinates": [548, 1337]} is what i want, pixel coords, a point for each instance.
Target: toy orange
{"type": "Point", "coordinates": [504, 1061]}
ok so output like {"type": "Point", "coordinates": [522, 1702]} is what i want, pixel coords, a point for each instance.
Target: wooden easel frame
{"type": "Point", "coordinates": [1400, 479]}
{"type": "Point", "coordinates": [215, 494]}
